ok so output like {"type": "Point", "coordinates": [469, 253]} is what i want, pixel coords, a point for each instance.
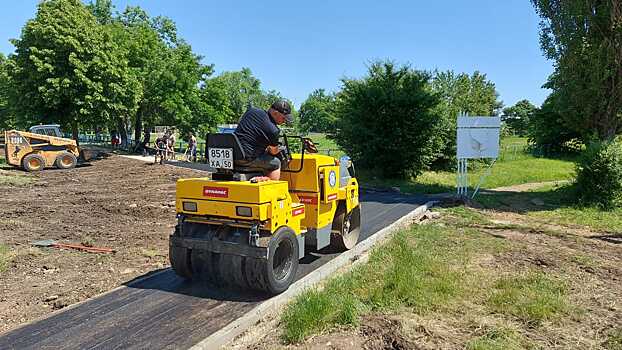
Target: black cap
{"type": "Point", "coordinates": [283, 107]}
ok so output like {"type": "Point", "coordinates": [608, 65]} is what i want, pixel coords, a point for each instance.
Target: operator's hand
{"type": "Point", "coordinates": [273, 150]}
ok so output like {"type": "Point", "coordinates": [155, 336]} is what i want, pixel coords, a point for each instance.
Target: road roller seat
{"type": "Point", "coordinates": [239, 171]}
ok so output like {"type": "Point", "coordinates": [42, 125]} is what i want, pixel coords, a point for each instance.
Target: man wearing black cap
{"type": "Point", "coordinates": [259, 136]}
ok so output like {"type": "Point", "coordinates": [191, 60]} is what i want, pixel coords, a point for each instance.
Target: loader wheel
{"type": "Point", "coordinates": [66, 160]}
{"type": "Point", "coordinates": [180, 261]}
{"type": "Point", "coordinates": [277, 273]}
{"type": "Point", "coordinates": [33, 162]}
{"type": "Point", "coordinates": [346, 228]}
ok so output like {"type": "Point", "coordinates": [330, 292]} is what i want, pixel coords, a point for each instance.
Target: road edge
{"type": "Point", "coordinates": [360, 253]}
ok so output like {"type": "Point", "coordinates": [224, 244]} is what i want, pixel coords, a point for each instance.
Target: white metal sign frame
{"type": "Point", "coordinates": [477, 138]}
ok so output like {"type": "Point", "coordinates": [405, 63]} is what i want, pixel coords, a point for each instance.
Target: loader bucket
{"type": "Point", "coordinates": [87, 154]}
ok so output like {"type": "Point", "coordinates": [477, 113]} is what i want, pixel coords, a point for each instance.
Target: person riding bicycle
{"type": "Point", "coordinates": [161, 144]}
{"type": "Point", "coordinates": [259, 137]}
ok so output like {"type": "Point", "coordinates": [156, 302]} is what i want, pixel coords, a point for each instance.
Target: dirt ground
{"type": "Point", "coordinates": [118, 203]}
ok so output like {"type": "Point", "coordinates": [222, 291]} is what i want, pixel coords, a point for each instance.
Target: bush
{"type": "Point", "coordinates": [599, 175]}
{"type": "Point", "coordinates": [385, 120]}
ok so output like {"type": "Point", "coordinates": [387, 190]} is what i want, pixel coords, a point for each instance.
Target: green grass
{"type": "Point", "coordinates": [326, 145]}
{"type": "Point", "coordinates": [423, 269]}
{"type": "Point", "coordinates": [507, 173]}
{"type": "Point", "coordinates": [559, 208]}
{"type": "Point", "coordinates": [422, 274]}
{"type": "Point", "coordinates": [614, 340]}
{"type": "Point", "coordinates": [532, 298]}
{"type": "Point", "coordinates": [497, 339]}
{"type": "Point", "coordinates": [428, 270]}
{"type": "Point", "coordinates": [14, 178]}
{"type": "Point", "coordinates": [5, 258]}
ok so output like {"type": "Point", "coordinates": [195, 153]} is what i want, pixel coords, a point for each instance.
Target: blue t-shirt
{"type": "Point", "coordinates": [256, 130]}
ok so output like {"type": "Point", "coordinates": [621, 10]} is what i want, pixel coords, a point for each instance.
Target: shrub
{"type": "Point", "coordinates": [385, 120]}
{"type": "Point", "coordinates": [599, 175]}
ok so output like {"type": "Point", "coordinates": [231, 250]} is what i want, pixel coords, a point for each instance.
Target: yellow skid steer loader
{"type": "Point", "coordinates": [42, 147]}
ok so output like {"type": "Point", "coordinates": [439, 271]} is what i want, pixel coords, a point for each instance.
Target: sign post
{"type": "Point", "coordinates": [478, 138]}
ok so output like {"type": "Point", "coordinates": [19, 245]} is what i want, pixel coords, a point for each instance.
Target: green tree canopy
{"type": "Point", "coordinates": [7, 119]}
{"type": "Point", "coordinates": [584, 38]}
{"type": "Point", "coordinates": [242, 90]}
{"type": "Point", "coordinates": [518, 116]}
{"type": "Point", "coordinates": [65, 69]}
{"type": "Point", "coordinates": [385, 121]}
{"type": "Point", "coordinates": [317, 113]}
{"type": "Point", "coordinates": [461, 93]}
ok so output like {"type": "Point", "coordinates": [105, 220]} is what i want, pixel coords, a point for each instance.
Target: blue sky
{"type": "Point", "coordinates": [296, 47]}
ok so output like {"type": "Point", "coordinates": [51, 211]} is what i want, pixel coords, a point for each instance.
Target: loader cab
{"type": "Point", "coordinates": [47, 130]}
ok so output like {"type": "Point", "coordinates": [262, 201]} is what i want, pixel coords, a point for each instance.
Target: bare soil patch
{"type": "Point", "coordinates": [118, 203]}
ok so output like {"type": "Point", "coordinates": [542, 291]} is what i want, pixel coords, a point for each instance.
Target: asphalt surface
{"type": "Point", "coordinates": [162, 311]}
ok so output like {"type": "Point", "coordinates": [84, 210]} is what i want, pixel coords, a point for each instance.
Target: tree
{"type": "Point", "coordinates": [7, 119]}
{"type": "Point", "coordinates": [243, 90]}
{"type": "Point", "coordinates": [385, 120]}
{"type": "Point", "coordinates": [168, 73]}
{"type": "Point", "coordinates": [460, 93]}
{"type": "Point", "coordinates": [317, 113]}
{"type": "Point", "coordinates": [67, 70]}
{"type": "Point", "coordinates": [584, 38]}
{"type": "Point", "coordinates": [547, 129]}
{"type": "Point", "coordinates": [517, 117]}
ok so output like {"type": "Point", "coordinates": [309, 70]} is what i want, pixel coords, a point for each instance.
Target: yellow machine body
{"type": "Point", "coordinates": [304, 200]}
{"type": "Point", "coordinates": [267, 202]}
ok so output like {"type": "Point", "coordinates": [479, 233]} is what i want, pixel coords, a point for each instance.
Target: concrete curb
{"type": "Point", "coordinates": [360, 253]}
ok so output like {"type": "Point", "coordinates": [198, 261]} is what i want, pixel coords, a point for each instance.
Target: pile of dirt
{"type": "Point", "coordinates": [382, 333]}
{"type": "Point", "coordinates": [119, 203]}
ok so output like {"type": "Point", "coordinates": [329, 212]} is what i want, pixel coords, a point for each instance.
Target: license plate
{"type": "Point", "coordinates": [220, 158]}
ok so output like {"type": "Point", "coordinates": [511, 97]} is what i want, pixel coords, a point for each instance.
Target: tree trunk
{"type": "Point", "coordinates": [147, 135]}
{"type": "Point", "coordinates": [138, 126]}
{"type": "Point", "coordinates": [75, 132]}
{"type": "Point", "coordinates": [122, 129]}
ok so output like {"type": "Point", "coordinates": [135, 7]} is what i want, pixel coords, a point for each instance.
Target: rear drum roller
{"type": "Point", "coordinates": [346, 228]}
{"type": "Point", "coordinates": [180, 261]}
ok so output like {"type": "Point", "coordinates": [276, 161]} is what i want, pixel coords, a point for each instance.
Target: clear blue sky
{"type": "Point", "coordinates": [295, 47]}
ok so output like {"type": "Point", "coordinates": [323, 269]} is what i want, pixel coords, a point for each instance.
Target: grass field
{"type": "Point", "coordinates": [555, 204]}
{"type": "Point", "coordinates": [435, 272]}
{"type": "Point", "coordinates": [477, 279]}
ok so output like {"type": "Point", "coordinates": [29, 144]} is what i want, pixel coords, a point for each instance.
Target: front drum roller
{"type": "Point", "coordinates": [346, 228]}
{"type": "Point", "coordinates": [273, 275]}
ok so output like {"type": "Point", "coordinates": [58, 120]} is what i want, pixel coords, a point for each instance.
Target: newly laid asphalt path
{"type": "Point", "coordinates": [162, 311]}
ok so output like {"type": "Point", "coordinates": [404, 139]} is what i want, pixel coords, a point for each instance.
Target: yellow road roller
{"type": "Point", "coordinates": [235, 232]}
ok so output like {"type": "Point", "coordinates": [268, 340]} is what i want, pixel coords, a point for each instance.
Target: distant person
{"type": "Point", "coordinates": [171, 142]}
{"type": "Point", "coordinates": [192, 147]}
{"type": "Point", "coordinates": [161, 145]}
{"type": "Point", "coordinates": [259, 137]}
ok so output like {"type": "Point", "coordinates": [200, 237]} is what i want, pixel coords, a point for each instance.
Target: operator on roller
{"type": "Point", "coordinates": [259, 137]}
